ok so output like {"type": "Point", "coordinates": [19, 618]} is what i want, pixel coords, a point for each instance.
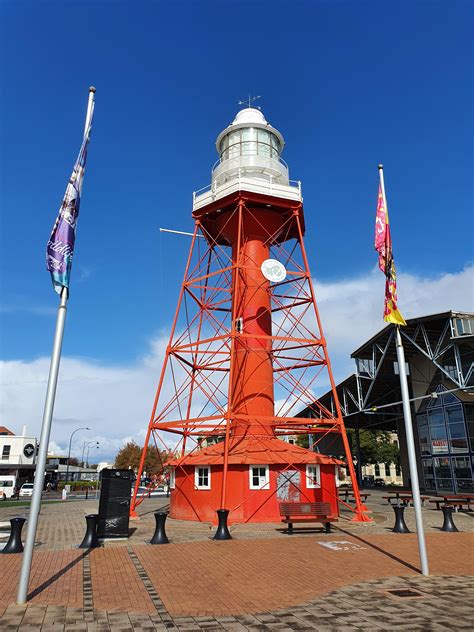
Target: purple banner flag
{"type": "Point", "coordinates": [60, 248]}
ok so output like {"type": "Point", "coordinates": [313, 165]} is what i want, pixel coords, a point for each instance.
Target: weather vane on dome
{"type": "Point", "coordinates": [249, 102]}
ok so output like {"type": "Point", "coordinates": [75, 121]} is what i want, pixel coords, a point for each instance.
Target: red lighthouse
{"type": "Point", "coordinates": [246, 349]}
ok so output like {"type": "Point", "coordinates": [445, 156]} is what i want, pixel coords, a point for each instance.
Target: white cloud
{"type": "Point", "coordinates": [115, 401]}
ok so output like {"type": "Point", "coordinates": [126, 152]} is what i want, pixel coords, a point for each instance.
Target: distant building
{"type": "Point", "coordinates": [17, 455]}
{"type": "Point", "coordinates": [103, 465]}
{"type": "Point", "coordinates": [57, 469]}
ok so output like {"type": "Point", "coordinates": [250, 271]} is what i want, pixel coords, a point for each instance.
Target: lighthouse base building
{"type": "Point", "coordinates": [261, 473]}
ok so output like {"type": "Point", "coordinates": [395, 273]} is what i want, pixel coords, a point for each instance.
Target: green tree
{"type": "Point", "coordinates": [303, 441]}
{"type": "Point", "coordinates": [376, 446]}
{"type": "Point", "coordinates": [129, 457]}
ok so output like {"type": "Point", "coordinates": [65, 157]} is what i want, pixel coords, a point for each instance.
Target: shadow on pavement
{"type": "Point", "coordinates": [379, 549]}
{"type": "Point", "coordinates": [56, 576]}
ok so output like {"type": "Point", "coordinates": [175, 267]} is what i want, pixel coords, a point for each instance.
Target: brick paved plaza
{"type": "Point", "coordinates": [263, 579]}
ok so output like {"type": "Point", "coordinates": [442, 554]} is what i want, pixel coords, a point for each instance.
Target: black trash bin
{"type": "Point", "coordinates": [114, 504]}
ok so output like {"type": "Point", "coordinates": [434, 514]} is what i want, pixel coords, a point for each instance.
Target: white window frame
{"type": "Point", "coordinates": [172, 478]}
{"type": "Point", "coordinates": [310, 483]}
{"type": "Point", "coordinates": [264, 481]}
{"type": "Point", "coordinates": [196, 476]}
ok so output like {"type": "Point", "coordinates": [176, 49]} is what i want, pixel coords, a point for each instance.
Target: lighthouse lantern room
{"type": "Point", "coordinates": [246, 348]}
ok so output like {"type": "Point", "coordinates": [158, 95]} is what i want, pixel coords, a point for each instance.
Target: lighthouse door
{"type": "Point", "coordinates": [288, 485]}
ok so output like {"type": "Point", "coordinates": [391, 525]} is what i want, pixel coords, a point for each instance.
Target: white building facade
{"type": "Point", "coordinates": [17, 459]}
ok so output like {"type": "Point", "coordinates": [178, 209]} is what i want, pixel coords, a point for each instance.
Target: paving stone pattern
{"type": "Point", "coordinates": [263, 579]}
{"type": "Point", "coordinates": [445, 603]}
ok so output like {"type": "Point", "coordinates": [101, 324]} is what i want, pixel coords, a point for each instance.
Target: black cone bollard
{"type": "Point", "coordinates": [448, 524]}
{"type": "Point", "coordinates": [400, 526]}
{"type": "Point", "coordinates": [14, 544]}
{"type": "Point", "coordinates": [222, 532]}
{"type": "Point", "coordinates": [90, 541]}
{"type": "Point", "coordinates": [159, 537]}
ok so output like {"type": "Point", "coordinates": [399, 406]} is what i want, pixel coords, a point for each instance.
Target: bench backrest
{"type": "Point", "coordinates": [305, 509]}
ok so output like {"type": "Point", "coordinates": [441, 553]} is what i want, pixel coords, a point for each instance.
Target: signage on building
{"type": "Point", "coordinates": [439, 445]}
{"type": "Point", "coordinates": [29, 450]}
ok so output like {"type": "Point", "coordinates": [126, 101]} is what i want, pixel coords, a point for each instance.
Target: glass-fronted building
{"type": "Point", "coordinates": [446, 436]}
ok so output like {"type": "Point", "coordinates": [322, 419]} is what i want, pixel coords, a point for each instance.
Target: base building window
{"type": "Point", "coordinates": [259, 477]}
{"type": "Point", "coordinates": [313, 476]}
{"type": "Point", "coordinates": [202, 477]}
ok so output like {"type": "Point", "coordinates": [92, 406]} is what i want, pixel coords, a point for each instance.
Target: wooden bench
{"type": "Point", "coordinates": [306, 512]}
{"type": "Point", "coordinates": [349, 496]}
{"type": "Point", "coordinates": [457, 504]}
{"type": "Point", "coordinates": [404, 499]}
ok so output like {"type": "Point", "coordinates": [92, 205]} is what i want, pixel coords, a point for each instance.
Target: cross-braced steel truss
{"type": "Point", "coordinates": [195, 401]}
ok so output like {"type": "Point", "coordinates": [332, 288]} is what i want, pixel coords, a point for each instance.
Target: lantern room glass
{"type": "Point", "coordinates": [249, 141]}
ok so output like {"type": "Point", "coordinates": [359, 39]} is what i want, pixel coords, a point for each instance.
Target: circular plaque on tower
{"type": "Point", "coordinates": [273, 270]}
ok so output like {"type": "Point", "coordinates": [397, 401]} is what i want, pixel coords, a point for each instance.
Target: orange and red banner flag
{"type": "Point", "coordinates": [383, 245]}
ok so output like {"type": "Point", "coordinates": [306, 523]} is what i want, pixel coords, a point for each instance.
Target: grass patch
{"type": "Point", "coordinates": [24, 503]}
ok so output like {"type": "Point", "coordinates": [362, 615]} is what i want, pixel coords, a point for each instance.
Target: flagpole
{"type": "Point", "coordinates": [46, 425]}
{"type": "Point", "coordinates": [415, 487]}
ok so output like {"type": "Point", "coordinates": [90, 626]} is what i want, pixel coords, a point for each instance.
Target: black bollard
{"type": "Point", "coordinates": [90, 541]}
{"type": "Point", "coordinates": [14, 544]}
{"type": "Point", "coordinates": [448, 524]}
{"type": "Point", "coordinates": [400, 526]}
{"type": "Point", "coordinates": [159, 537]}
{"type": "Point", "coordinates": [222, 532]}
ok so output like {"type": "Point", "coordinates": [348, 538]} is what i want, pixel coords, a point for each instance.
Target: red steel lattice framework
{"type": "Point", "coordinates": [244, 355]}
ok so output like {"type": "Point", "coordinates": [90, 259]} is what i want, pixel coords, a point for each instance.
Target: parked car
{"type": "Point", "coordinates": [379, 482]}
{"type": "Point", "coordinates": [26, 489]}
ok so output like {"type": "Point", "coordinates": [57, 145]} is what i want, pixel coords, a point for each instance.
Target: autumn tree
{"type": "Point", "coordinates": [129, 457]}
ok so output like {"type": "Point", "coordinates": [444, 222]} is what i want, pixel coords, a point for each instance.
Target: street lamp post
{"type": "Point", "coordinates": [88, 450]}
{"type": "Point", "coordinates": [69, 452]}
{"type": "Point", "coordinates": [84, 446]}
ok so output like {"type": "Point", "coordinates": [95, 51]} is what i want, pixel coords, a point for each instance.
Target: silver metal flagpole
{"type": "Point", "coordinates": [415, 487]}
{"type": "Point", "coordinates": [46, 426]}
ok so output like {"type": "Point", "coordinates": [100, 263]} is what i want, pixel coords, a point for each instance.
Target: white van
{"type": "Point", "coordinates": [7, 486]}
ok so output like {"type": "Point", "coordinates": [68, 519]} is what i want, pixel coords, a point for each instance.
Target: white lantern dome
{"type": "Point", "coordinates": [250, 148]}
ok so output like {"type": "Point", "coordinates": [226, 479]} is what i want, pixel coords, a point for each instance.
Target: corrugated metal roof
{"type": "Point", "coordinates": [254, 451]}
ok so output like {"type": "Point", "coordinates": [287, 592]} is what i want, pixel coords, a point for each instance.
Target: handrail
{"type": "Point", "coordinates": [209, 187]}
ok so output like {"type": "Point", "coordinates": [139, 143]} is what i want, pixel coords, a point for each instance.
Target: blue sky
{"type": "Point", "coordinates": [349, 84]}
